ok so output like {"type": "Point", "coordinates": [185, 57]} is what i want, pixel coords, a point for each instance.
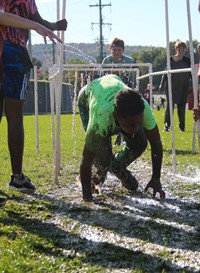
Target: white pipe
{"type": "Point", "coordinates": [194, 138]}
{"type": "Point", "coordinates": [52, 103]}
{"type": "Point", "coordinates": [58, 110]}
{"type": "Point", "coordinates": [74, 105]}
{"type": "Point", "coordinates": [99, 66]}
{"type": "Point", "coordinates": [151, 86]}
{"type": "Point", "coordinates": [36, 108]}
{"type": "Point", "coordinates": [82, 80]}
{"type": "Point", "coordinates": [170, 71]}
{"type": "Point", "coordinates": [63, 17]}
{"type": "Point", "coordinates": [193, 67]}
{"type": "Point", "coordinates": [58, 15]}
{"type": "Point", "coordinates": [170, 86]}
{"type": "Point", "coordinates": [54, 75]}
{"type": "Point", "coordinates": [58, 102]}
{"type": "Point", "coordinates": [194, 72]}
{"type": "Point", "coordinates": [95, 70]}
{"type": "Point", "coordinates": [137, 71]}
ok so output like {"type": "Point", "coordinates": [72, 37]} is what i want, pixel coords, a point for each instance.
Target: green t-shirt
{"type": "Point", "coordinates": [126, 75]}
{"type": "Point", "coordinates": [124, 59]}
{"type": "Point", "coordinates": [98, 98]}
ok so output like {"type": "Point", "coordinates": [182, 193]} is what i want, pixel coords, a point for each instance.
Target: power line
{"type": "Point", "coordinates": [101, 23]}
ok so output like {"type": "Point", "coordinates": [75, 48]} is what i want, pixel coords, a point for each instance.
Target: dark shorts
{"type": "Point", "coordinates": [15, 85]}
{"type": "Point", "coordinates": [16, 71]}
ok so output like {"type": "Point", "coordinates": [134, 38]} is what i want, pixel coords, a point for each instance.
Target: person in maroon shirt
{"type": "Point", "coordinates": [12, 20]}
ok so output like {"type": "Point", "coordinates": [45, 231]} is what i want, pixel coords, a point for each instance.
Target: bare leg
{"type": "Point", "coordinates": [14, 116]}
{"type": "Point", "coordinates": [1, 107]}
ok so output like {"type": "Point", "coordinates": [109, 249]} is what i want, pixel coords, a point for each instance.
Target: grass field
{"type": "Point", "coordinates": [53, 231]}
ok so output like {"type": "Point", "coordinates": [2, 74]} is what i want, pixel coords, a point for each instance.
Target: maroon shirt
{"type": "Point", "coordinates": [22, 8]}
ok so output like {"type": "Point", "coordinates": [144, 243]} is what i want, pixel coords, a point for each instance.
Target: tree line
{"type": "Point", "coordinates": [155, 55]}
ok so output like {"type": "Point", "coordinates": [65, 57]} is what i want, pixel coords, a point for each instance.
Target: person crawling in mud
{"type": "Point", "coordinates": [107, 107]}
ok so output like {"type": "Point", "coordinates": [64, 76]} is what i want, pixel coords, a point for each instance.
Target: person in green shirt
{"type": "Point", "coordinates": [107, 107]}
{"type": "Point", "coordinates": [117, 56]}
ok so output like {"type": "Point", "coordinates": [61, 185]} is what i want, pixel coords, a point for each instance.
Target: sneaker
{"type": "Point", "coordinates": [182, 128]}
{"type": "Point", "coordinates": [2, 201]}
{"type": "Point", "coordinates": [167, 127]}
{"type": "Point", "coordinates": [127, 179]}
{"type": "Point", "coordinates": [23, 185]}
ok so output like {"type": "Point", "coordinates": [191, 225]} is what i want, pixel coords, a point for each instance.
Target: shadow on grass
{"type": "Point", "coordinates": [136, 216]}
{"type": "Point", "coordinates": [4, 194]}
{"type": "Point", "coordinates": [102, 254]}
{"type": "Point", "coordinates": [131, 217]}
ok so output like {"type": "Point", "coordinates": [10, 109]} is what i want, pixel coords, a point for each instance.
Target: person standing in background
{"type": "Point", "coordinates": [162, 102]}
{"type": "Point", "coordinates": [117, 56]}
{"type": "Point", "coordinates": [16, 71]}
{"type": "Point", "coordinates": [181, 83]}
{"type": "Point", "coordinates": [7, 19]}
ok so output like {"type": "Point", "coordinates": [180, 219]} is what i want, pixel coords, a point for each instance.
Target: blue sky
{"type": "Point", "coordinates": [137, 22]}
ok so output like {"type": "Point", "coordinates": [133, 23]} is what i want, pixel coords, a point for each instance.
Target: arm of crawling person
{"type": "Point", "coordinates": [85, 174]}
{"type": "Point", "coordinates": [153, 137]}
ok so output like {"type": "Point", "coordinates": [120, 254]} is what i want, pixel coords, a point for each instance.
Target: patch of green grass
{"type": "Point", "coordinates": [31, 242]}
{"type": "Point", "coordinates": [186, 161]}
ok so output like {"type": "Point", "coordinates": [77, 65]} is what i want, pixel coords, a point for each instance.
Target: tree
{"type": "Point", "coordinates": [158, 57]}
{"type": "Point", "coordinates": [154, 55]}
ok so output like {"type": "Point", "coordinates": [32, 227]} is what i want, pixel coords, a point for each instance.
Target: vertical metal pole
{"type": "Point", "coordinates": [58, 102]}
{"type": "Point", "coordinates": [170, 86]}
{"type": "Point", "coordinates": [151, 85]}
{"type": "Point", "coordinates": [36, 108]}
{"type": "Point", "coordinates": [194, 72]}
{"type": "Point", "coordinates": [58, 14]}
{"type": "Point", "coordinates": [101, 36]}
{"type": "Point", "coordinates": [52, 103]}
{"type": "Point", "coordinates": [74, 104]}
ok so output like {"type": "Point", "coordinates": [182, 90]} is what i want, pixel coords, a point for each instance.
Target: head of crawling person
{"type": "Point", "coordinates": [128, 110]}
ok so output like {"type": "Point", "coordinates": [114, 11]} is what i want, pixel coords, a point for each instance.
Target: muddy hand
{"type": "Point", "coordinates": [156, 186]}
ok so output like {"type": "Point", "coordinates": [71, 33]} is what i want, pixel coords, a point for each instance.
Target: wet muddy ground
{"type": "Point", "coordinates": [123, 232]}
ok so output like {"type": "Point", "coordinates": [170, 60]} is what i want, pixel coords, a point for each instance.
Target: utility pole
{"type": "Point", "coordinates": [101, 23]}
